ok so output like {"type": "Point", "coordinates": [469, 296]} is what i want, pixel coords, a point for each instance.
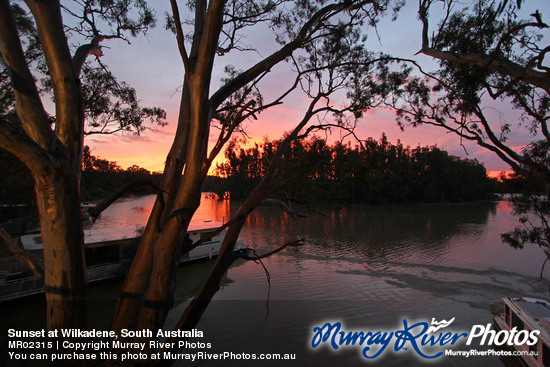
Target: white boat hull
{"type": "Point", "coordinates": [528, 314]}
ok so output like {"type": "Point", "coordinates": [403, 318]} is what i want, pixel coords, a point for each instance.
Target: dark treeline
{"type": "Point", "coordinates": [101, 177]}
{"type": "Point", "coordinates": [376, 172]}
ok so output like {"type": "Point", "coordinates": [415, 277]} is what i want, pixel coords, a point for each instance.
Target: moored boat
{"type": "Point", "coordinates": [527, 314]}
{"type": "Point", "coordinates": [205, 232]}
{"type": "Point", "coordinates": [109, 253]}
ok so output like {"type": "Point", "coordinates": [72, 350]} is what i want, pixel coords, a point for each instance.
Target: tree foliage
{"type": "Point", "coordinates": [112, 106]}
{"type": "Point", "coordinates": [109, 104]}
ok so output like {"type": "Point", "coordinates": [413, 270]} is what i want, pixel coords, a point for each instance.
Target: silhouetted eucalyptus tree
{"type": "Point", "coordinates": [51, 147]}
{"type": "Point", "coordinates": [488, 52]}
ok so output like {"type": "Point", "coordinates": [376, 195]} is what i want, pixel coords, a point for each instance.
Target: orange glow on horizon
{"type": "Point", "coordinates": [496, 174]}
{"type": "Point", "coordinates": [153, 164]}
{"type": "Point", "coordinates": [244, 143]}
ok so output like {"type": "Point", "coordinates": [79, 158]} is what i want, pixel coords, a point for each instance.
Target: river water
{"type": "Point", "coordinates": [368, 267]}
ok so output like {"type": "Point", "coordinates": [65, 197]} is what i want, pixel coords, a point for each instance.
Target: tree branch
{"type": "Point", "coordinates": [20, 145]}
{"type": "Point", "coordinates": [179, 36]}
{"type": "Point", "coordinates": [226, 135]}
{"type": "Point", "coordinates": [30, 110]}
{"type": "Point", "coordinates": [506, 67]}
{"type": "Point", "coordinates": [488, 62]}
{"type": "Point", "coordinates": [69, 109]}
{"type": "Point", "coordinates": [209, 41]}
{"type": "Point", "coordinates": [266, 64]}
{"type": "Point", "coordinates": [27, 260]}
{"type": "Point", "coordinates": [284, 206]}
{"type": "Point", "coordinates": [92, 48]}
{"type": "Point", "coordinates": [245, 254]}
{"type": "Point", "coordinates": [96, 210]}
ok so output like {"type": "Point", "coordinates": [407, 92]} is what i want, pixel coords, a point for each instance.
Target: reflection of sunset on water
{"type": "Point", "coordinates": [134, 211]}
{"type": "Point", "coordinates": [467, 235]}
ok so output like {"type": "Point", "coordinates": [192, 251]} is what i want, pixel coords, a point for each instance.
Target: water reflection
{"type": "Point", "coordinates": [134, 211]}
{"type": "Point", "coordinates": [449, 240]}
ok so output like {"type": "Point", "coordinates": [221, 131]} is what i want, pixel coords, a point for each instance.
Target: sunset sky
{"type": "Point", "coordinates": [153, 66]}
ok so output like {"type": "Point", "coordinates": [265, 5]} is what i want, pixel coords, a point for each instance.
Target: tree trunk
{"type": "Point", "coordinates": [148, 284]}
{"type": "Point", "coordinates": [159, 294]}
{"type": "Point", "coordinates": [138, 277]}
{"type": "Point", "coordinates": [58, 202]}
